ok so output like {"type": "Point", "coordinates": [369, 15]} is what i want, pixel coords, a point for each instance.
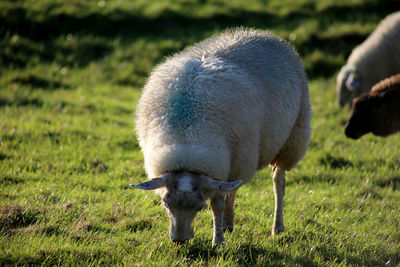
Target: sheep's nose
{"type": "Point", "coordinates": [351, 133]}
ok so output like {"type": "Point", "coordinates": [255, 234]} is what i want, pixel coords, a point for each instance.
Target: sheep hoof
{"type": "Point", "coordinates": [228, 228]}
{"type": "Point", "coordinates": [216, 244]}
{"type": "Point", "coordinates": [277, 229]}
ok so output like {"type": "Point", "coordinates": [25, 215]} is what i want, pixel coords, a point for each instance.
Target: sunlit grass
{"type": "Point", "coordinates": [70, 77]}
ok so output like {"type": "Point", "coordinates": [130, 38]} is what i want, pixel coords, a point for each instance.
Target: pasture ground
{"type": "Point", "coordinates": [71, 73]}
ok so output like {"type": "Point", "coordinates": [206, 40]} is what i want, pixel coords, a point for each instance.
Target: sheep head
{"type": "Point", "coordinates": [360, 120]}
{"type": "Point", "coordinates": [183, 195]}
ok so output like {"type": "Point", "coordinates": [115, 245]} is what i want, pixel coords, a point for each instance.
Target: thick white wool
{"type": "Point", "coordinates": [377, 58]}
{"type": "Point", "coordinates": [226, 107]}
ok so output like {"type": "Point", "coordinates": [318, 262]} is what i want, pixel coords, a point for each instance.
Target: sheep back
{"type": "Point", "coordinates": [388, 84]}
{"type": "Point", "coordinates": [377, 58]}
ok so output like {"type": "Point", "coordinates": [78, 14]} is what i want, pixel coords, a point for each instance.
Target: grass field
{"type": "Point", "coordinates": [71, 73]}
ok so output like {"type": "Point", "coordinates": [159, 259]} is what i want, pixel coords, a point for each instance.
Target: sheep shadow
{"type": "Point", "coordinates": [243, 254]}
{"type": "Point", "coordinates": [246, 252]}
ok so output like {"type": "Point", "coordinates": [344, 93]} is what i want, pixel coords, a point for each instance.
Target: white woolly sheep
{"type": "Point", "coordinates": [212, 115]}
{"type": "Point", "coordinates": [377, 111]}
{"type": "Point", "coordinates": [377, 58]}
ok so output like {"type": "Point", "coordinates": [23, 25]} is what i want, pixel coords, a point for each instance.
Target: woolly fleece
{"type": "Point", "coordinates": [226, 107]}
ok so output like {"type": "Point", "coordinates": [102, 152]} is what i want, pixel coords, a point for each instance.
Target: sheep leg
{"type": "Point", "coordinates": [278, 178]}
{"type": "Point", "coordinates": [217, 208]}
{"type": "Point", "coordinates": [229, 213]}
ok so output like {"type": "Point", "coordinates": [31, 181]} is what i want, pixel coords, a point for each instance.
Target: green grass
{"type": "Point", "coordinates": [70, 77]}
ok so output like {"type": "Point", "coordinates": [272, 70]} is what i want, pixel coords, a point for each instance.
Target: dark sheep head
{"type": "Point", "coordinates": [360, 122]}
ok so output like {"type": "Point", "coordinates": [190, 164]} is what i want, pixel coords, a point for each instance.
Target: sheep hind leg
{"type": "Point", "coordinates": [229, 212]}
{"type": "Point", "coordinates": [279, 182]}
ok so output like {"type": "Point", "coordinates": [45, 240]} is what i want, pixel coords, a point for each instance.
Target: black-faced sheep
{"type": "Point", "coordinates": [377, 58]}
{"type": "Point", "coordinates": [377, 111]}
{"type": "Point", "coordinates": [214, 114]}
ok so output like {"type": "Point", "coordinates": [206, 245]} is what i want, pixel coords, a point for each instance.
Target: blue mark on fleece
{"type": "Point", "coordinates": [183, 111]}
{"type": "Point", "coordinates": [185, 106]}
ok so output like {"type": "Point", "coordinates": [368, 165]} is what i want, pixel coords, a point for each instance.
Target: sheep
{"type": "Point", "coordinates": [211, 116]}
{"type": "Point", "coordinates": [377, 111]}
{"type": "Point", "coordinates": [377, 58]}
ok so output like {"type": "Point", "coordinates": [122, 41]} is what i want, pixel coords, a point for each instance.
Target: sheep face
{"type": "Point", "coordinates": [360, 121]}
{"type": "Point", "coordinates": [183, 198]}
{"type": "Point", "coordinates": [183, 195]}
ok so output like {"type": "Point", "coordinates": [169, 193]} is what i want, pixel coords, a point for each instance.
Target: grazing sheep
{"type": "Point", "coordinates": [377, 111]}
{"type": "Point", "coordinates": [377, 58]}
{"type": "Point", "coordinates": [224, 108]}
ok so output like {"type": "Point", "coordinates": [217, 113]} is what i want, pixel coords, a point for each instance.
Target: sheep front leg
{"type": "Point", "coordinates": [217, 208]}
{"type": "Point", "coordinates": [229, 212]}
{"type": "Point", "coordinates": [279, 182]}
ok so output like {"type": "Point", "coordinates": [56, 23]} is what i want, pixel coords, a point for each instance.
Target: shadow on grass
{"type": "Point", "coordinates": [39, 82]}
{"type": "Point", "coordinates": [254, 254]}
{"type": "Point", "coordinates": [312, 179]}
{"type": "Point", "coordinates": [64, 256]}
{"type": "Point", "coordinates": [120, 22]}
{"type": "Point", "coordinates": [139, 225]}
{"type": "Point", "coordinates": [21, 102]}
{"type": "Point", "coordinates": [10, 180]}
{"type": "Point", "coordinates": [16, 216]}
{"type": "Point", "coordinates": [335, 162]}
{"type": "Point", "coordinates": [242, 254]}
{"type": "Point", "coordinates": [44, 31]}
{"type": "Point", "coordinates": [393, 182]}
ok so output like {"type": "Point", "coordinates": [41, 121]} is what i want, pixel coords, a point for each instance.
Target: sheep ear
{"type": "Point", "coordinates": [352, 82]}
{"type": "Point", "coordinates": [152, 184]}
{"type": "Point", "coordinates": [217, 185]}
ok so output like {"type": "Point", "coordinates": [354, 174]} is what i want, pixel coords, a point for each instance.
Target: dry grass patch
{"type": "Point", "coordinates": [16, 216]}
